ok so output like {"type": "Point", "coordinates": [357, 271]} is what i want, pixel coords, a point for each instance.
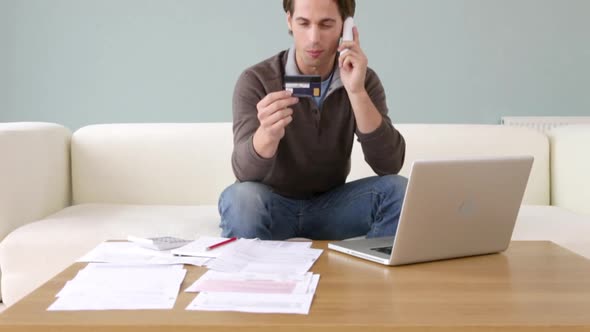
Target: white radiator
{"type": "Point", "coordinates": [543, 123]}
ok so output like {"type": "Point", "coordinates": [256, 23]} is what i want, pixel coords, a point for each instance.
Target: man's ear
{"type": "Point", "coordinates": [289, 21]}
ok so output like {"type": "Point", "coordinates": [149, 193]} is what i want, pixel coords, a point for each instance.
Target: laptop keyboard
{"type": "Point", "coordinates": [385, 250]}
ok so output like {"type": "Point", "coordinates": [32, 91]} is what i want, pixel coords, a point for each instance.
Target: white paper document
{"type": "Point", "coordinates": [261, 303]}
{"type": "Point", "coordinates": [256, 302]}
{"type": "Point", "coordinates": [121, 287]}
{"type": "Point", "coordinates": [130, 253]}
{"type": "Point", "coordinates": [214, 281]}
{"type": "Point", "coordinates": [285, 244]}
{"type": "Point", "coordinates": [198, 248]}
{"type": "Point", "coordinates": [255, 257]}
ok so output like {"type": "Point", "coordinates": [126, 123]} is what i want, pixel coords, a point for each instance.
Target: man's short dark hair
{"type": "Point", "coordinates": [346, 7]}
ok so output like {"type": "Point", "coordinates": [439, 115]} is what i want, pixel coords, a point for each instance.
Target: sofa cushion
{"type": "Point", "coordinates": [570, 183]}
{"type": "Point", "coordinates": [561, 226]}
{"type": "Point", "coordinates": [34, 253]}
{"type": "Point", "coordinates": [447, 141]}
{"type": "Point", "coordinates": [190, 163]}
{"type": "Point", "coordinates": [164, 163]}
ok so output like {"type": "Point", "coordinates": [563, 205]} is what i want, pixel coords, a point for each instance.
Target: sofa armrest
{"type": "Point", "coordinates": [570, 165]}
{"type": "Point", "coordinates": [34, 172]}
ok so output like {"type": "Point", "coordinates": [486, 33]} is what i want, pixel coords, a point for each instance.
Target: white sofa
{"type": "Point", "coordinates": [61, 194]}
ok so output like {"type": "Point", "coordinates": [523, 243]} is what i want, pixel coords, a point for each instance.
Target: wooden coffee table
{"type": "Point", "coordinates": [533, 286]}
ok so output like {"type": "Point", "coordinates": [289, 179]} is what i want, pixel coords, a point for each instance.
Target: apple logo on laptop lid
{"type": "Point", "coordinates": [467, 208]}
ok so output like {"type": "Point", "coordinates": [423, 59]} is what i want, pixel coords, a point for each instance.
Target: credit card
{"type": "Point", "coordinates": [304, 85]}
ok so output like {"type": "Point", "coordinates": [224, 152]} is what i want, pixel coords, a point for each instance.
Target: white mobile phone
{"type": "Point", "coordinates": [347, 34]}
{"type": "Point", "coordinates": [347, 29]}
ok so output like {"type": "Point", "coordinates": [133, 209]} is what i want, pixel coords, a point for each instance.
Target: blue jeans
{"type": "Point", "coordinates": [369, 206]}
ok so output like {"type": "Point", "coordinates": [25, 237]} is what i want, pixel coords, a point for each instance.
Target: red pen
{"type": "Point", "coordinates": [216, 245]}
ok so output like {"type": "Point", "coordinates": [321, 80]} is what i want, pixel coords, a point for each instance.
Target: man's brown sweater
{"type": "Point", "coordinates": [314, 155]}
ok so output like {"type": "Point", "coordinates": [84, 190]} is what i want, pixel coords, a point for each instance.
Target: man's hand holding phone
{"type": "Point", "coordinates": [352, 62]}
{"type": "Point", "coordinates": [274, 114]}
{"type": "Point", "coordinates": [353, 71]}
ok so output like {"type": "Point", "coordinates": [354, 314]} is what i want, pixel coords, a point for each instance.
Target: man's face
{"type": "Point", "coordinates": [316, 26]}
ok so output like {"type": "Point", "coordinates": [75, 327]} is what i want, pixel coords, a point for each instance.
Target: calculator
{"type": "Point", "coordinates": [159, 243]}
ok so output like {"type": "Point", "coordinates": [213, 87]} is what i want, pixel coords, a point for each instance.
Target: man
{"type": "Point", "coordinates": [292, 155]}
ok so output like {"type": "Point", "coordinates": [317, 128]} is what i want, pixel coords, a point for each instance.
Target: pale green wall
{"type": "Point", "coordinates": [78, 62]}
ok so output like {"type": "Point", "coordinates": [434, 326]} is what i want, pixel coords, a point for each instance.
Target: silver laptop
{"type": "Point", "coordinates": [452, 208]}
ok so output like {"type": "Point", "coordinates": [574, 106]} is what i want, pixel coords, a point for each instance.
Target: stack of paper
{"type": "Point", "coordinates": [130, 253]}
{"type": "Point", "coordinates": [121, 287]}
{"type": "Point", "coordinates": [255, 256]}
{"type": "Point", "coordinates": [251, 278]}
{"type": "Point", "coordinates": [213, 281]}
